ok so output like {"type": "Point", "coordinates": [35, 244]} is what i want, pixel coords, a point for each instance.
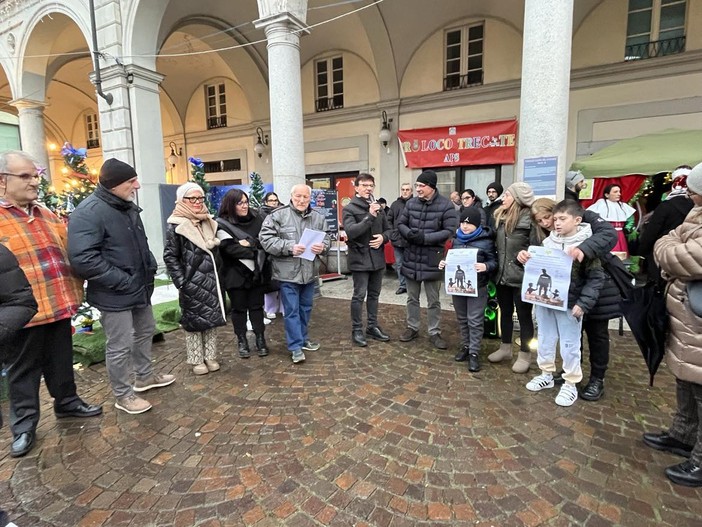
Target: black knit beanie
{"type": "Point", "coordinates": [498, 188]}
{"type": "Point", "coordinates": [428, 177]}
{"type": "Point", "coordinates": [115, 172]}
{"type": "Point", "coordinates": [471, 215]}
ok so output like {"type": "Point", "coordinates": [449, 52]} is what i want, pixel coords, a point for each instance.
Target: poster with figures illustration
{"type": "Point", "coordinates": [461, 276]}
{"type": "Point", "coordinates": [547, 278]}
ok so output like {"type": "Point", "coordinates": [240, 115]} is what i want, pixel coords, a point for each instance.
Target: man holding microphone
{"type": "Point", "coordinates": [367, 229]}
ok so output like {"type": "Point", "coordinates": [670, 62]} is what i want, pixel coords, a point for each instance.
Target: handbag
{"type": "Point", "coordinates": [262, 264]}
{"type": "Point", "coordinates": [694, 296]}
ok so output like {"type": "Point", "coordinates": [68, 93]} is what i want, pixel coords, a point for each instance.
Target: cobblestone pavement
{"type": "Point", "coordinates": [390, 435]}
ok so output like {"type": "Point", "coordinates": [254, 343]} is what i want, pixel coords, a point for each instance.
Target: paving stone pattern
{"type": "Point", "coordinates": [390, 435]}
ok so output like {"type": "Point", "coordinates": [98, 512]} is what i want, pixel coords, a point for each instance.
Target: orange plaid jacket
{"type": "Point", "coordinates": [38, 241]}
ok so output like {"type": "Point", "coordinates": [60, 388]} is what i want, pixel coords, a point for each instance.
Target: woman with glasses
{"type": "Point", "coordinates": [245, 272]}
{"type": "Point", "coordinates": [271, 300]}
{"type": "Point", "coordinates": [190, 254]}
{"type": "Point", "coordinates": [469, 199]}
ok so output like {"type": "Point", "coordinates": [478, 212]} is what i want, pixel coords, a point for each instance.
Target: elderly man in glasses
{"type": "Point", "coordinates": [107, 246]}
{"type": "Point", "coordinates": [37, 238]}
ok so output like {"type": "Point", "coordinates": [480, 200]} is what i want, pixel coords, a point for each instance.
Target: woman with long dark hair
{"type": "Point", "coordinates": [611, 208]}
{"type": "Point", "coordinates": [244, 270]}
{"type": "Point", "coordinates": [271, 300]}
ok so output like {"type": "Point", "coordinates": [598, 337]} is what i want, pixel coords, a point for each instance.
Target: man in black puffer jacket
{"type": "Point", "coordinates": [107, 247]}
{"type": "Point", "coordinates": [427, 222]}
{"type": "Point", "coordinates": [368, 230]}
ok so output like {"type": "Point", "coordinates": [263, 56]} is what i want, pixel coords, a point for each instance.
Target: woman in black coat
{"type": "Point", "coordinates": [271, 300]}
{"type": "Point", "coordinates": [190, 254]}
{"type": "Point", "coordinates": [245, 273]}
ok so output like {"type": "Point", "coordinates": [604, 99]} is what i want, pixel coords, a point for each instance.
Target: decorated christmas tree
{"type": "Point", "coordinates": [256, 191]}
{"type": "Point", "coordinates": [197, 170]}
{"type": "Point", "coordinates": [48, 195]}
{"type": "Point", "coordinates": [78, 182]}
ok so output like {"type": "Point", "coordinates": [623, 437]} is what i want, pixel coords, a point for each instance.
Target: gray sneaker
{"type": "Point", "coordinates": [310, 346]}
{"type": "Point", "coordinates": [298, 356]}
{"type": "Point", "coordinates": [132, 404]}
{"type": "Point", "coordinates": [156, 380]}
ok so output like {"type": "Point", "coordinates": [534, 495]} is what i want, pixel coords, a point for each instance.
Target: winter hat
{"type": "Point", "coordinates": [428, 177]}
{"type": "Point", "coordinates": [694, 180]}
{"type": "Point", "coordinates": [522, 193]}
{"type": "Point", "coordinates": [115, 172]}
{"type": "Point", "coordinates": [185, 188]}
{"type": "Point", "coordinates": [498, 188]}
{"type": "Point", "coordinates": [471, 215]}
{"type": "Point", "coordinates": [573, 177]}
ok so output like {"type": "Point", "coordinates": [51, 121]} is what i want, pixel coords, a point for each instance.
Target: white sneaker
{"type": "Point", "coordinates": [540, 382]}
{"type": "Point", "coordinates": [132, 404]}
{"type": "Point", "coordinates": [271, 316]}
{"type": "Point", "coordinates": [567, 396]}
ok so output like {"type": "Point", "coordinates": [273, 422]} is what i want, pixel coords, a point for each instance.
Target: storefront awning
{"type": "Point", "coordinates": [646, 154]}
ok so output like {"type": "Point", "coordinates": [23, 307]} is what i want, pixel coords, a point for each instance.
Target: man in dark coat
{"type": "Point", "coordinates": [575, 182]}
{"type": "Point", "coordinates": [427, 222]}
{"type": "Point", "coordinates": [398, 242]}
{"type": "Point", "coordinates": [493, 191]}
{"type": "Point", "coordinates": [368, 230]}
{"type": "Point", "coordinates": [107, 246]}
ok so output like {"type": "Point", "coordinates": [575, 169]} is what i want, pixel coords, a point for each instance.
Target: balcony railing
{"type": "Point", "coordinates": [329, 103]}
{"type": "Point", "coordinates": [657, 48]}
{"type": "Point", "coordinates": [458, 82]}
{"type": "Point", "coordinates": [216, 122]}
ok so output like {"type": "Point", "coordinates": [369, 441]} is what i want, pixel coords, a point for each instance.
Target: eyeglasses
{"type": "Point", "coordinates": [272, 200]}
{"type": "Point", "coordinates": [242, 203]}
{"type": "Point", "coordinates": [367, 185]}
{"type": "Point", "coordinates": [195, 199]}
{"type": "Point", "coordinates": [26, 178]}
{"type": "Point", "coordinates": [466, 197]}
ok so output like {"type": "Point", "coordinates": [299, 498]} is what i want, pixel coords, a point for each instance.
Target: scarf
{"type": "Point", "coordinates": [556, 241]}
{"type": "Point", "coordinates": [465, 238]}
{"type": "Point", "coordinates": [206, 226]}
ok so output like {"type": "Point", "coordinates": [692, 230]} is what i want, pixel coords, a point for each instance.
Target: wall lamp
{"type": "Point", "coordinates": [173, 156]}
{"type": "Point", "coordinates": [385, 135]}
{"type": "Point", "coordinates": [261, 142]}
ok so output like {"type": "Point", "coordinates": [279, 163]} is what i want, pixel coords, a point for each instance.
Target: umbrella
{"type": "Point", "coordinates": [645, 312]}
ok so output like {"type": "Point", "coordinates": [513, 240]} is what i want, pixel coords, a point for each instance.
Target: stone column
{"type": "Point", "coordinates": [543, 113]}
{"type": "Point", "coordinates": [31, 127]}
{"type": "Point", "coordinates": [131, 131]}
{"type": "Point", "coordinates": [285, 92]}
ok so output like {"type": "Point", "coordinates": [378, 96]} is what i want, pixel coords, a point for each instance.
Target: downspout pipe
{"type": "Point", "coordinates": [96, 57]}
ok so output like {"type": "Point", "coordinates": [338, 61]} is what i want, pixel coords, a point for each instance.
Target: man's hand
{"type": "Point", "coordinates": [523, 257]}
{"type": "Point", "coordinates": [575, 253]}
{"type": "Point", "coordinates": [298, 249]}
{"type": "Point", "coordinates": [578, 312]}
{"type": "Point", "coordinates": [317, 248]}
{"type": "Point", "coordinates": [416, 236]}
{"type": "Point", "coordinates": [480, 267]}
{"type": "Point", "coordinates": [374, 208]}
{"type": "Point", "coordinates": [442, 265]}
{"type": "Point", "coordinates": [376, 241]}
{"type": "Point", "coordinates": [245, 243]}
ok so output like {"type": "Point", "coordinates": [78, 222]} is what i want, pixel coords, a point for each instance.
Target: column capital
{"type": "Point", "coordinates": [283, 19]}
{"type": "Point", "coordinates": [28, 104]}
{"type": "Point", "coordinates": [268, 8]}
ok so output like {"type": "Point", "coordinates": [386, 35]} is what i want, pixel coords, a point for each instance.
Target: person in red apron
{"type": "Point", "coordinates": [611, 208]}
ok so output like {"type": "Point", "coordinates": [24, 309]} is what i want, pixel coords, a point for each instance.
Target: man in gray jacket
{"type": "Point", "coordinates": [107, 247]}
{"type": "Point", "coordinates": [280, 237]}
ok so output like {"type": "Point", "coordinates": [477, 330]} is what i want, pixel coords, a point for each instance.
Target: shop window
{"type": "Point", "coordinates": [655, 28]}
{"type": "Point", "coordinates": [463, 65]}
{"type": "Point", "coordinates": [329, 76]}
{"type": "Point", "coordinates": [216, 100]}
{"type": "Point", "coordinates": [92, 130]}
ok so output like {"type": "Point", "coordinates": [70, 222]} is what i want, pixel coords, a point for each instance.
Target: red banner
{"type": "Point", "coordinates": [490, 143]}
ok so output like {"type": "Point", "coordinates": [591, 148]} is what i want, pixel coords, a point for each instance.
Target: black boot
{"type": "Point", "coordinates": [473, 362]}
{"type": "Point", "coordinates": [462, 354]}
{"type": "Point", "coordinates": [261, 345]}
{"type": "Point", "coordinates": [244, 351]}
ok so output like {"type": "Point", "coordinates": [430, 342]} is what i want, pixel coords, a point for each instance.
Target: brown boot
{"type": "Point", "coordinates": [521, 365]}
{"type": "Point", "coordinates": [504, 352]}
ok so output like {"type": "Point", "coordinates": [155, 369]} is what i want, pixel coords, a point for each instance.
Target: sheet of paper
{"type": "Point", "coordinates": [308, 239]}
{"type": "Point", "coordinates": [461, 278]}
{"type": "Point", "coordinates": [547, 278]}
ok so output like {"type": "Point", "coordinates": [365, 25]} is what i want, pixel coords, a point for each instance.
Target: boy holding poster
{"type": "Point", "coordinates": [470, 310]}
{"type": "Point", "coordinates": [586, 280]}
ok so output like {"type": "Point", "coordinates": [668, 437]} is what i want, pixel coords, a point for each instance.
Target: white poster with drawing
{"type": "Point", "coordinates": [547, 278]}
{"type": "Point", "coordinates": [461, 276]}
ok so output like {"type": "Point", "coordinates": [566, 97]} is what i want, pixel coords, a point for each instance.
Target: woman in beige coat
{"type": "Point", "coordinates": [679, 255]}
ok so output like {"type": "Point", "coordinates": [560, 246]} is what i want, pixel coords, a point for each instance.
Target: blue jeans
{"type": "Point", "coordinates": [399, 253]}
{"type": "Point", "coordinates": [297, 306]}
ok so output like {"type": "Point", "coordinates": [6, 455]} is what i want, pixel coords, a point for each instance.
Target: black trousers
{"type": "Point", "coordinates": [597, 332]}
{"type": "Point", "coordinates": [687, 422]}
{"type": "Point", "coordinates": [46, 349]}
{"type": "Point", "coordinates": [508, 298]}
{"type": "Point", "coordinates": [247, 301]}
{"type": "Point", "coordinates": [366, 286]}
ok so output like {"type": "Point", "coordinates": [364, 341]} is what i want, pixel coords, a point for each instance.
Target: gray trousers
{"type": "Point", "coordinates": [470, 313]}
{"type": "Point", "coordinates": [366, 286]}
{"type": "Point", "coordinates": [687, 422]}
{"type": "Point", "coordinates": [128, 349]}
{"type": "Point", "coordinates": [431, 290]}
{"type": "Point", "coordinates": [399, 253]}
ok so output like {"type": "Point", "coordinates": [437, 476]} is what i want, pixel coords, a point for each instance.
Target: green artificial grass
{"type": "Point", "coordinates": [89, 348]}
{"type": "Point", "coordinates": [160, 281]}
